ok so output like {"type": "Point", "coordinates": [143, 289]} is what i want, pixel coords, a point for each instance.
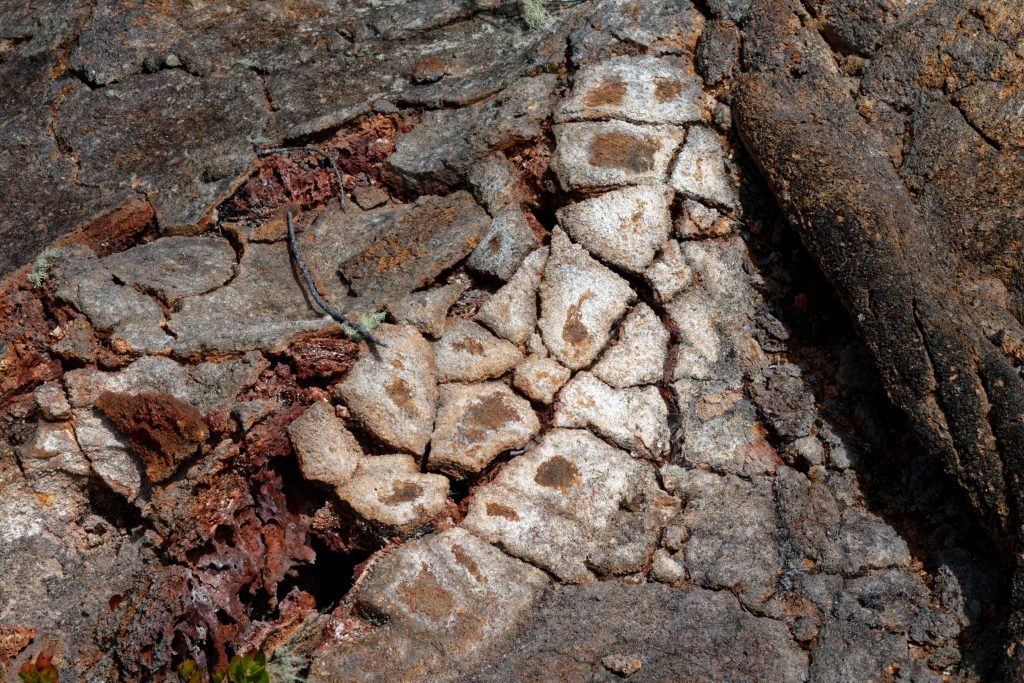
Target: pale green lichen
{"type": "Point", "coordinates": [40, 272]}
{"type": "Point", "coordinates": [287, 667]}
{"type": "Point", "coordinates": [535, 14]}
{"type": "Point", "coordinates": [367, 320]}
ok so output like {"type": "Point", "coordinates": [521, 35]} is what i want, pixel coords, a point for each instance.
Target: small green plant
{"type": "Point", "coordinates": [535, 14]}
{"type": "Point", "coordinates": [40, 272]}
{"type": "Point", "coordinates": [367, 320]}
{"type": "Point", "coordinates": [250, 668]}
{"type": "Point", "coordinates": [39, 670]}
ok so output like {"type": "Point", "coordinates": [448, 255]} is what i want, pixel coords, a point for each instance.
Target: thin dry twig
{"type": "Point", "coordinates": [293, 243]}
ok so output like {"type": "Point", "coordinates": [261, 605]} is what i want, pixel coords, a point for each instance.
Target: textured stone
{"type": "Point", "coordinates": [427, 311]}
{"type": "Point", "coordinates": [503, 247]}
{"type": "Point", "coordinates": [439, 152]}
{"type": "Point", "coordinates": [326, 450]}
{"type": "Point", "coordinates": [448, 595]}
{"type": "Point", "coordinates": [580, 300]}
{"type": "Point", "coordinates": [830, 533]}
{"type": "Point", "coordinates": [592, 156]}
{"type": "Point", "coordinates": [149, 134]}
{"type": "Point", "coordinates": [393, 390]}
{"type": "Point", "coordinates": [736, 551]}
{"type": "Point", "coordinates": [540, 377]}
{"type": "Point", "coordinates": [109, 453]}
{"type": "Point", "coordinates": [52, 401]}
{"type": "Point", "coordinates": [679, 635]}
{"type": "Point", "coordinates": [262, 308]}
{"type": "Point", "coordinates": [718, 428]}
{"type": "Point", "coordinates": [511, 312]}
{"type": "Point", "coordinates": [573, 505]}
{"type": "Point", "coordinates": [469, 353]}
{"type": "Point", "coordinates": [495, 184]}
{"type": "Point", "coordinates": [623, 228]}
{"type": "Point", "coordinates": [635, 89]}
{"type": "Point", "coordinates": [698, 220]}
{"type": "Point", "coordinates": [636, 418]}
{"type": "Point", "coordinates": [390, 491]}
{"type": "Point", "coordinates": [477, 422]}
{"type": "Point", "coordinates": [175, 267]}
{"type": "Point", "coordinates": [415, 243]}
{"type": "Point", "coordinates": [669, 273]}
{"type": "Point", "coordinates": [208, 386]}
{"type": "Point", "coordinates": [639, 356]}
{"type": "Point", "coordinates": [369, 196]}
{"type": "Point", "coordinates": [134, 320]}
{"type": "Point", "coordinates": [53, 446]}
{"type": "Point", "coordinates": [162, 430]}
{"type": "Point", "coordinates": [700, 171]}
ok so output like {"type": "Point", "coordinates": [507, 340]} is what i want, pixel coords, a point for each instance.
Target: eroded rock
{"type": "Point", "coordinates": [601, 155]}
{"type": "Point", "coordinates": [573, 505]}
{"type": "Point", "coordinates": [623, 228]}
{"type": "Point", "coordinates": [580, 300]}
{"type": "Point", "coordinates": [393, 389]}
{"type": "Point", "coordinates": [390, 491]}
{"type": "Point", "coordinates": [326, 450]}
{"type": "Point", "coordinates": [511, 312]}
{"type": "Point", "coordinates": [639, 356]}
{"type": "Point", "coordinates": [540, 377]}
{"type": "Point", "coordinates": [469, 353]}
{"type": "Point", "coordinates": [635, 418]}
{"type": "Point", "coordinates": [477, 422]}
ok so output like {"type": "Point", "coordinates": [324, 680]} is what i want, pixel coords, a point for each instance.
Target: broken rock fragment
{"type": "Point", "coordinates": [599, 155]}
{"type": "Point", "coordinates": [393, 389]}
{"type": "Point", "coordinates": [639, 356]}
{"type": "Point", "coordinates": [390, 491]}
{"type": "Point", "coordinates": [701, 172]}
{"type": "Point", "coordinates": [637, 89]}
{"type": "Point", "coordinates": [445, 597]}
{"type": "Point", "coordinates": [511, 312]}
{"type": "Point", "coordinates": [162, 430]}
{"type": "Point", "coordinates": [573, 505]}
{"type": "Point", "coordinates": [580, 300]}
{"type": "Point", "coordinates": [477, 422]}
{"type": "Point", "coordinates": [669, 273]}
{"type": "Point", "coordinates": [623, 227]}
{"type": "Point", "coordinates": [636, 418]}
{"type": "Point", "coordinates": [504, 246]}
{"type": "Point", "coordinates": [469, 353]}
{"type": "Point", "coordinates": [427, 311]}
{"type": "Point", "coordinates": [415, 244]}
{"type": "Point", "coordinates": [175, 266]}
{"type": "Point", "coordinates": [540, 377]}
{"type": "Point", "coordinates": [326, 450]}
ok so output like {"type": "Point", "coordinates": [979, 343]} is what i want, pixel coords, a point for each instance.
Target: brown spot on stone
{"type": "Point", "coordinates": [462, 558]}
{"type": "Point", "coordinates": [666, 89]}
{"type": "Point", "coordinates": [575, 332]}
{"type": "Point", "coordinates": [400, 392]}
{"type": "Point", "coordinates": [162, 430]}
{"type": "Point", "coordinates": [611, 91]}
{"type": "Point", "coordinates": [428, 70]}
{"type": "Point", "coordinates": [402, 492]}
{"type": "Point", "coordinates": [620, 150]}
{"type": "Point", "coordinates": [499, 510]}
{"type": "Point", "coordinates": [485, 415]}
{"type": "Point", "coordinates": [471, 346]}
{"type": "Point", "coordinates": [557, 473]}
{"type": "Point", "coordinates": [427, 596]}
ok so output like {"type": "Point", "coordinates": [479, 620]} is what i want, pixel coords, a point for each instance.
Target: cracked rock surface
{"type": "Point", "coordinates": [620, 425]}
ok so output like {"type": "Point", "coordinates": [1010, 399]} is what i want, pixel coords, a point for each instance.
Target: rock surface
{"type": "Point", "coordinates": [608, 359]}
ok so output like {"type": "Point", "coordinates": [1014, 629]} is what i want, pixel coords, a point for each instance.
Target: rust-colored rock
{"type": "Point", "coordinates": [162, 430]}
